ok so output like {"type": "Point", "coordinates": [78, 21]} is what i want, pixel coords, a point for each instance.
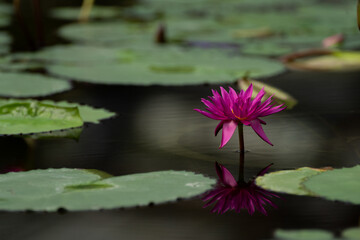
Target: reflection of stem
{"type": "Point", "coordinates": [241, 167]}
{"type": "Point", "coordinates": [85, 10]}
{"type": "Point", "coordinates": [241, 153]}
{"type": "Point", "coordinates": [241, 137]}
{"type": "Point", "coordinates": [31, 144]}
{"type": "Point", "coordinates": [39, 22]}
{"type": "Point", "coordinates": [20, 19]}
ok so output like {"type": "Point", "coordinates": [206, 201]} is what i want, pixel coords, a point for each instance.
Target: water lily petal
{"type": "Point", "coordinates": [227, 132]}
{"type": "Point", "coordinates": [248, 92]}
{"type": "Point", "coordinates": [256, 125]}
{"type": "Point", "coordinates": [219, 127]}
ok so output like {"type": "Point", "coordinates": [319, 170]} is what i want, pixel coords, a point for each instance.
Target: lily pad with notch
{"type": "Point", "coordinates": [288, 181]}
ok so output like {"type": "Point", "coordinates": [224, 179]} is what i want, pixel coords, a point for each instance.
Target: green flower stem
{"type": "Point", "coordinates": [241, 153]}
{"type": "Point", "coordinates": [241, 138]}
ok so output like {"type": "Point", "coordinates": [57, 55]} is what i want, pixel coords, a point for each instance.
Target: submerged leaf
{"type": "Point", "coordinates": [340, 61]}
{"type": "Point", "coordinates": [339, 184]}
{"type": "Point", "coordinates": [75, 189]}
{"type": "Point", "coordinates": [288, 181]}
{"type": "Point", "coordinates": [279, 96]}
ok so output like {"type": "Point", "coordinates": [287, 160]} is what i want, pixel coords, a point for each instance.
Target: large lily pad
{"type": "Point", "coordinates": [288, 181]}
{"type": "Point", "coordinates": [340, 184]}
{"type": "Point", "coordinates": [75, 189]}
{"type": "Point", "coordinates": [30, 85]}
{"type": "Point", "coordinates": [30, 117]}
{"type": "Point", "coordinates": [167, 66]}
{"type": "Point", "coordinates": [87, 113]}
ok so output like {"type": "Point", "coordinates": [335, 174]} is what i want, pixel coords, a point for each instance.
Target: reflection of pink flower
{"type": "Point", "coordinates": [233, 109]}
{"type": "Point", "coordinates": [230, 195]}
{"type": "Point", "coordinates": [12, 169]}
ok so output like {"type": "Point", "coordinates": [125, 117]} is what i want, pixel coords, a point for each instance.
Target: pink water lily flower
{"type": "Point", "coordinates": [233, 108]}
{"type": "Point", "coordinates": [231, 195]}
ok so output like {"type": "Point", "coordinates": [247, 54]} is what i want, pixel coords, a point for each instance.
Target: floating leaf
{"type": "Point", "coordinates": [167, 66]}
{"type": "Point", "coordinates": [351, 234]}
{"type": "Point", "coordinates": [288, 181]}
{"type": "Point", "coordinates": [74, 189]}
{"type": "Point", "coordinates": [70, 54]}
{"type": "Point", "coordinates": [30, 85]}
{"type": "Point", "coordinates": [30, 117]}
{"type": "Point", "coordinates": [110, 32]}
{"type": "Point", "coordinates": [305, 234]}
{"type": "Point", "coordinates": [87, 113]}
{"type": "Point", "coordinates": [340, 184]}
{"type": "Point", "coordinates": [97, 12]}
{"type": "Point", "coordinates": [278, 95]}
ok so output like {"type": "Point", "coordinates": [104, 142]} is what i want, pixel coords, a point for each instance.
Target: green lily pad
{"type": "Point", "coordinates": [30, 117]}
{"type": "Point", "coordinates": [69, 54]}
{"type": "Point", "coordinates": [30, 85]}
{"type": "Point", "coordinates": [75, 189]}
{"type": "Point", "coordinates": [351, 233]}
{"type": "Point", "coordinates": [279, 96]}
{"type": "Point", "coordinates": [110, 32]}
{"type": "Point", "coordinates": [167, 66]}
{"type": "Point", "coordinates": [340, 184]}
{"type": "Point", "coordinates": [339, 61]}
{"type": "Point", "coordinates": [97, 12]}
{"type": "Point", "coordinates": [87, 113]}
{"type": "Point", "coordinates": [304, 234]}
{"type": "Point", "coordinates": [288, 181]}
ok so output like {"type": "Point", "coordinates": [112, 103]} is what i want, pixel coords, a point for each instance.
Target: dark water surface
{"type": "Point", "coordinates": [156, 129]}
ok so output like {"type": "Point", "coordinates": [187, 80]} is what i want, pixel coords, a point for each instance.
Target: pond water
{"type": "Point", "coordinates": [157, 129]}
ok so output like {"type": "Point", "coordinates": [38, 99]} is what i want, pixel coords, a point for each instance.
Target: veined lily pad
{"type": "Point", "coordinates": [278, 95]}
{"type": "Point", "coordinates": [87, 113]}
{"type": "Point", "coordinates": [32, 117]}
{"type": "Point", "coordinates": [288, 181]}
{"type": "Point", "coordinates": [340, 184]}
{"type": "Point", "coordinates": [327, 61]}
{"type": "Point", "coordinates": [304, 234]}
{"type": "Point", "coordinates": [30, 85]}
{"type": "Point", "coordinates": [97, 12]}
{"type": "Point", "coordinates": [75, 189]}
